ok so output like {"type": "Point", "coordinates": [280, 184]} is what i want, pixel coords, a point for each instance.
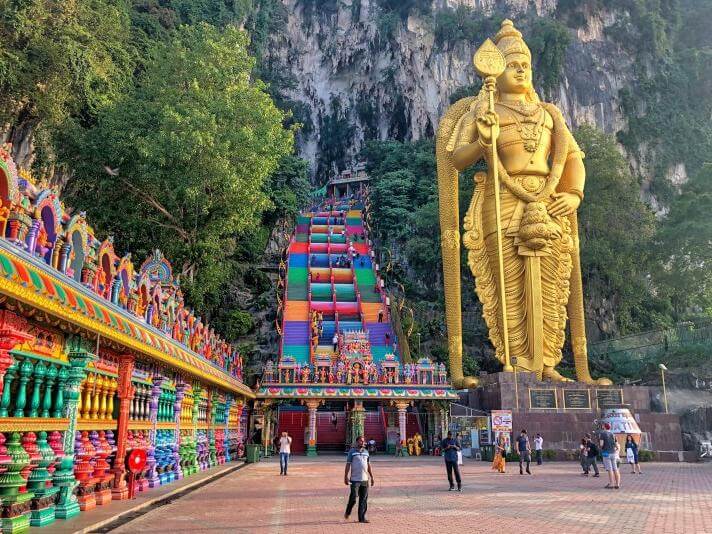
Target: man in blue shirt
{"type": "Point", "coordinates": [359, 466]}
{"type": "Point", "coordinates": [525, 451]}
{"type": "Point", "coordinates": [450, 447]}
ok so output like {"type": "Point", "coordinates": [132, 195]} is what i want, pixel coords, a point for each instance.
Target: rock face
{"type": "Point", "coordinates": [360, 78]}
{"type": "Point", "coordinates": [696, 426]}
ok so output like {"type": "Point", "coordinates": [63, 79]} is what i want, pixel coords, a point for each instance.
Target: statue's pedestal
{"type": "Point", "coordinates": [562, 412]}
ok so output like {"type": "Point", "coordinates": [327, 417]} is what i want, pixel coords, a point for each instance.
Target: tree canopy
{"type": "Point", "coordinates": [180, 162]}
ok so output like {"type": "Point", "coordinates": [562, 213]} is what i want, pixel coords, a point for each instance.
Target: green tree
{"type": "Point", "coordinates": [59, 60]}
{"type": "Point", "coordinates": [180, 162]}
{"type": "Point", "coordinates": [616, 230]}
{"type": "Point", "coordinates": [684, 248]}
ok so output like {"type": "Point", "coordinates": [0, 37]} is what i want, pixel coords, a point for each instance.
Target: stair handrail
{"type": "Point", "coordinates": [309, 292]}
{"type": "Point", "coordinates": [286, 293]}
{"type": "Point", "coordinates": [384, 422]}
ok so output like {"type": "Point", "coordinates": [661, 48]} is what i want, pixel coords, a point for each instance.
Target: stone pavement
{"type": "Point", "coordinates": [410, 496]}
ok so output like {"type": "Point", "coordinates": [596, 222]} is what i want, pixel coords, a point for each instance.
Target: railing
{"type": "Point", "coordinates": [409, 374]}
{"type": "Point", "coordinates": [34, 387]}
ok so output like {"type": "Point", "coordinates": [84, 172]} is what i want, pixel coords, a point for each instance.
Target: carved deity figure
{"type": "Point", "coordinates": [541, 175]}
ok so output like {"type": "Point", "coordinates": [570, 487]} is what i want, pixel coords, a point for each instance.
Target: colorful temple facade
{"type": "Point", "coordinates": [341, 371]}
{"type": "Point", "coordinates": [98, 359]}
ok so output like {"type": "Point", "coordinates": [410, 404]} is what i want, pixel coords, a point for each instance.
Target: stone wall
{"type": "Point", "coordinates": [563, 428]}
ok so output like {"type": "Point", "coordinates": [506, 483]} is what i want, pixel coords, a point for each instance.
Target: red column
{"type": "Point", "coordinates": [125, 393]}
{"type": "Point", "coordinates": [11, 334]}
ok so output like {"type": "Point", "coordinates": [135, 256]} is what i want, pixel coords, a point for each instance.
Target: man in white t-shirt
{"type": "Point", "coordinates": [285, 449]}
{"type": "Point", "coordinates": [358, 474]}
{"type": "Point", "coordinates": [538, 448]}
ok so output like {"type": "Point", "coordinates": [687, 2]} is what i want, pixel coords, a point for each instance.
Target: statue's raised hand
{"type": "Point", "coordinates": [488, 127]}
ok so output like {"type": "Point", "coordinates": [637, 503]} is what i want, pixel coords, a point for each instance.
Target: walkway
{"type": "Point", "coordinates": [411, 497]}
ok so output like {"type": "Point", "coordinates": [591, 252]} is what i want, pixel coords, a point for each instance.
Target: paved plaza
{"type": "Point", "coordinates": [411, 496]}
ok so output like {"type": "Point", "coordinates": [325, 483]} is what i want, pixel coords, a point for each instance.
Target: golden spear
{"type": "Point", "coordinates": [489, 64]}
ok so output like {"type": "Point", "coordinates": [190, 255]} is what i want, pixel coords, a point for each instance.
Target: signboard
{"type": "Point", "coordinates": [609, 397]}
{"type": "Point", "coordinates": [621, 420]}
{"type": "Point", "coordinates": [501, 420]}
{"type": "Point", "coordinates": [485, 437]}
{"type": "Point", "coordinates": [542, 399]}
{"type": "Point", "coordinates": [577, 399]}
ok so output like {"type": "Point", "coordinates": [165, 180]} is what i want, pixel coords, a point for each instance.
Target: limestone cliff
{"type": "Point", "coordinates": [361, 74]}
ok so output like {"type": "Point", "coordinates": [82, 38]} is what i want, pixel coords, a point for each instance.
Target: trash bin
{"type": "Point", "coordinates": [253, 453]}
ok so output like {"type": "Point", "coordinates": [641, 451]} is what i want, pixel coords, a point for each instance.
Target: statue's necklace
{"type": "Point", "coordinates": [530, 128]}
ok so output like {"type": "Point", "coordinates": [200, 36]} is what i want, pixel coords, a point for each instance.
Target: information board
{"type": "Point", "coordinates": [577, 399]}
{"type": "Point", "coordinates": [501, 420]}
{"type": "Point", "coordinates": [609, 397]}
{"type": "Point", "coordinates": [540, 399]}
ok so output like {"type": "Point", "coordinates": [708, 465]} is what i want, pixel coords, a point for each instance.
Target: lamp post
{"type": "Point", "coordinates": [418, 334]}
{"type": "Point", "coordinates": [662, 375]}
{"type": "Point", "coordinates": [513, 361]}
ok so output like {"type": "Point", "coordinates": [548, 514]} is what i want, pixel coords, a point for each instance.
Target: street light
{"type": "Point", "coordinates": [662, 375]}
{"type": "Point", "coordinates": [513, 361]}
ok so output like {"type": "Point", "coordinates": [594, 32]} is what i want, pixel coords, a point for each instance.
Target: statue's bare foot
{"type": "Point", "coordinates": [553, 375]}
{"type": "Point", "coordinates": [466, 382]}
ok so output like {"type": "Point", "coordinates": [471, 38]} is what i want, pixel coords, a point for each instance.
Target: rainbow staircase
{"type": "Point", "coordinates": [330, 270]}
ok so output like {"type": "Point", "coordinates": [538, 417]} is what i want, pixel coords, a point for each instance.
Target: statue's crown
{"type": "Point", "coordinates": [509, 40]}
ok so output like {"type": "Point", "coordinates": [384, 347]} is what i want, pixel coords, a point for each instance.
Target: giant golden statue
{"type": "Point", "coordinates": [521, 228]}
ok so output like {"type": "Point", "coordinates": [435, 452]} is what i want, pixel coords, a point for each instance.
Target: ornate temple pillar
{"type": "Point", "coordinates": [402, 406]}
{"type": "Point", "coordinates": [63, 476]}
{"type": "Point", "coordinates": [226, 438]}
{"type": "Point", "coordinates": [444, 421]}
{"type": "Point", "coordinates": [197, 395]}
{"type": "Point", "coordinates": [177, 411]}
{"type": "Point", "coordinates": [125, 393]}
{"type": "Point", "coordinates": [239, 431]}
{"type": "Point", "coordinates": [212, 412]}
{"type": "Point", "coordinates": [312, 405]}
{"type": "Point", "coordinates": [357, 415]}
{"type": "Point", "coordinates": [64, 257]}
{"type": "Point", "coordinates": [153, 479]}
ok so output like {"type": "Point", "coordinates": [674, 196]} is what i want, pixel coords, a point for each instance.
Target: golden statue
{"type": "Point", "coordinates": [521, 228]}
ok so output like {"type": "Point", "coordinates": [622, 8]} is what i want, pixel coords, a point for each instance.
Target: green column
{"type": "Point", "coordinates": [358, 416]}
{"type": "Point", "coordinates": [37, 379]}
{"type": "Point", "coordinates": [50, 379]}
{"type": "Point", "coordinates": [15, 508]}
{"type": "Point", "coordinates": [63, 478]}
{"type": "Point", "coordinates": [58, 406]}
{"type": "Point", "coordinates": [26, 369]}
{"type": "Point", "coordinates": [10, 375]}
{"type": "Point", "coordinates": [44, 511]}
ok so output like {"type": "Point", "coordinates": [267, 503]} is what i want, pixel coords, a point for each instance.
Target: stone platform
{"type": "Point", "coordinates": [564, 411]}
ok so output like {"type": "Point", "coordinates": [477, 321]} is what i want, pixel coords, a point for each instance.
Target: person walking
{"type": "Point", "coordinates": [500, 453]}
{"type": "Point", "coordinates": [335, 341]}
{"type": "Point", "coordinates": [591, 456]}
{"type": "Point", "coordinates": [608, 444]}
{"type": "Point", "coordinates": [631, 452]}
{"type": "Point", "coordinates": [525, 451]}
{"type": "Point", "coordinates": [285, 449]}
{"type": "Point", "coordinates": [583, 456]}
{"type": "Point", "coordinates": [538, 448]}
{"type": "Point", "coordinates": [450, 447]}
{"type": "Point", "coordinates": [358, 474]}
